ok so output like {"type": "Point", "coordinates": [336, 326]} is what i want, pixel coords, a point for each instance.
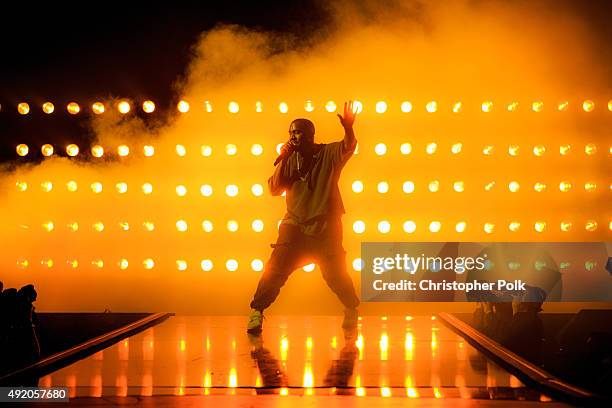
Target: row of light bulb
{"type": "Point", "coordinates": [380, 149]}
{"type": "Point", "coordinates": [206, 265]}
{"type": "Point", "coordinates": [359, 226]}
{"type": "Point", "coordinates": [384, 227]}
{"type": "Point", "coordinates": [183, 106]}
{"type": "Point", "coordinates": [206, 190]}
{"type": "Point", "coordinates": [257, 264]}
{"type": "Point", "coordinates": [149, 263]}
{"type": "Point", "coordinates": [357, 186]}
{"type": "Point", "coordinates": [181, 226]}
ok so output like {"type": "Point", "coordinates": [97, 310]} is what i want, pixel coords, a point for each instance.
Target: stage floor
{"type": "Point", "coordinates": [395, 356]}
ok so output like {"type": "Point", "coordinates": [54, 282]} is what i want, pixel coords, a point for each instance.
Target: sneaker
{"type": "Point", "coordinates": [255, 321]}
{"type": "Point", "coordinates": [351, 316]}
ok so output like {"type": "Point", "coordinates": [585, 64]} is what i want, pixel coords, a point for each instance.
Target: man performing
{"type": "Point", "coordinates": [312, 226]}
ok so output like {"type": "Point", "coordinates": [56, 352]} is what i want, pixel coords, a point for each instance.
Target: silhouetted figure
{"type": "Point", "coordinates": [8, 304]}
{"type": "Point", "coordinates": [20, 346]}
{"type": "Point", "coordinates": [9, 292]}
{"type": "Point", "coordinates": [596, 364]}
{"type": "Point", "coordinates": [525, 335]}
{"type": "Point", "coordinates": [533, 266]}
{"type": "Point", "coordinates": [28, 321]}
{"type": "Point", "coordinates": [512, 319]}
{"type": "Point", "coordinates": [494, 312]}
{"type": "Point", "coordinates": [312, 227]}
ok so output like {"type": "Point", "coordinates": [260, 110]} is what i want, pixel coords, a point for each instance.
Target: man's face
{"type": "Point", "coordinates": [300, 135]}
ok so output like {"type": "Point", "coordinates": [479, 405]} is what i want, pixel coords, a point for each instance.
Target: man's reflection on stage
{"type": "Point", "coordinates": [341, 370]}
{"type": "Point", "coordinates": [338, 375]}
{"type": "Point", "coordinates": [272, 375]}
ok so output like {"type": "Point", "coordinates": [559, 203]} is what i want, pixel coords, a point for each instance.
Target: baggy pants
{"type": "Point", "coordinates": [294, 249]}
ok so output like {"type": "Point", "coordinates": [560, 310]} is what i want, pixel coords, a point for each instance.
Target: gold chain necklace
{"type": "Point", "coordinates": [303, 177]}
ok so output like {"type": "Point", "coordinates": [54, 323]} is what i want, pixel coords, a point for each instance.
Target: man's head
{"type": "Point", "coordinates": [301, 133]}
{"type": "Point", "coordinates": [28, 292]}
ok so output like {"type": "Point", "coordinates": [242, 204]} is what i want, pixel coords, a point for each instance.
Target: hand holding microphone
{"type": "Point", "coordinates": [286, 151]}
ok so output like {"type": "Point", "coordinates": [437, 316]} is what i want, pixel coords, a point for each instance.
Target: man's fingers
{"type": "Point", "coordinates": [349, 113]}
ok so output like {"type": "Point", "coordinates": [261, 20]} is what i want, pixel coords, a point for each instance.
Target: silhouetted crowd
{"type": "Point", "coordinates": [19, 345]}
{"type": "Point", "coordinates": [513, 320]}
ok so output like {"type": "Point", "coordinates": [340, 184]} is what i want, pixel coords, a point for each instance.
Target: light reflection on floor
{"type": "Point", "coordinates": [386, 356]}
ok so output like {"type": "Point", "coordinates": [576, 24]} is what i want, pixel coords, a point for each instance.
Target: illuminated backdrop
{"type": "Point", "coordinates": [469, 131]}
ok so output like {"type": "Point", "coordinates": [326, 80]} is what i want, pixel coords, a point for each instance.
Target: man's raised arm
{"type": "Point", "coordinates": [347, 120]}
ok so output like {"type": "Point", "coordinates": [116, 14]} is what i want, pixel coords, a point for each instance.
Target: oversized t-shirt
{"type": "Point", "coordinates": [312, 196]}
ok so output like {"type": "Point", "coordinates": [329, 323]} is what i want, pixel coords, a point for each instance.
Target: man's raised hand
{"type": "Point", "coordinates": [348, 118]}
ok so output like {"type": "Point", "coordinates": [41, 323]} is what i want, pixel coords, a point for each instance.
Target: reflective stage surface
{"type": "Point", "coordinates": [395, 356]}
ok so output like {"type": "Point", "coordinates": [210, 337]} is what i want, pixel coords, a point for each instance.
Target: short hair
{"type": "Point", "coordinates": [306, 123]}
{"type": "Point", "coordinates": [28, 290]}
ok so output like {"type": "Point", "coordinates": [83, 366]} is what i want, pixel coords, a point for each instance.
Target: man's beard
{"type": "Point", "coordinates": [303, 146]}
